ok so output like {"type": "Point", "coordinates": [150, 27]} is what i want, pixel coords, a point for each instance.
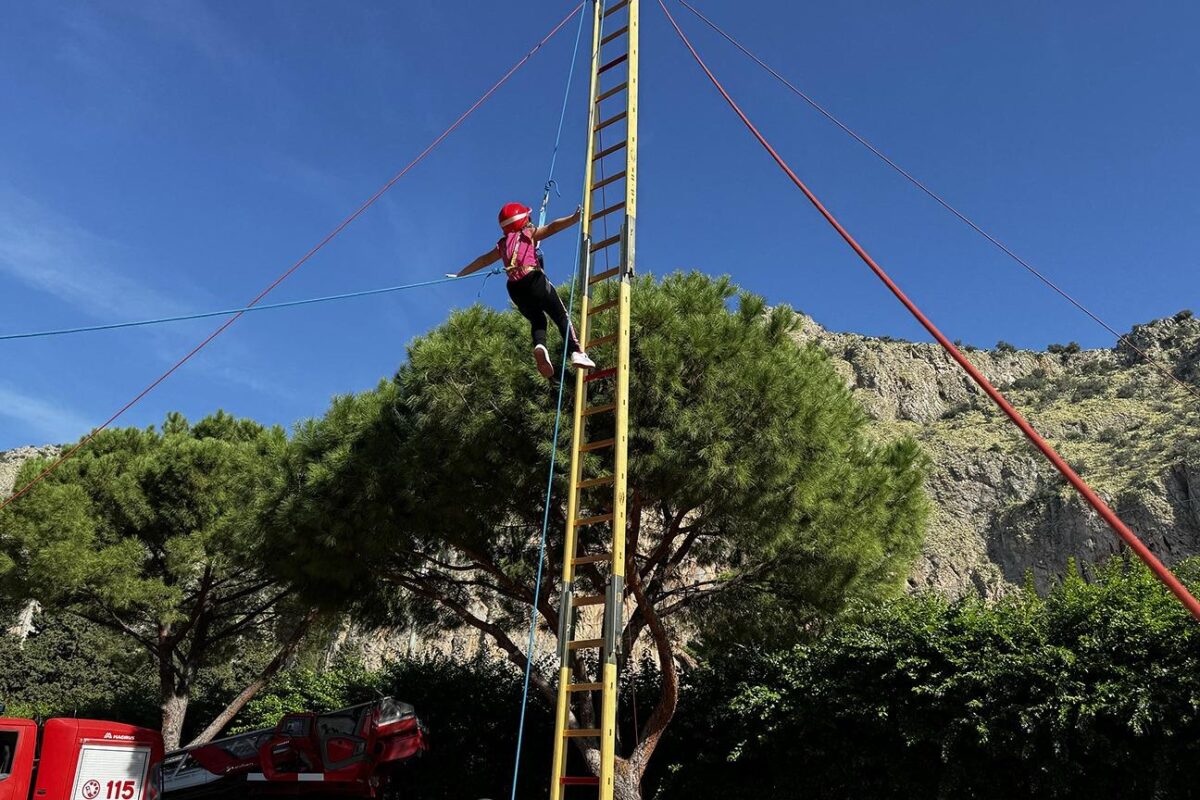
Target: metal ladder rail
{"type": "Point", "coordinates": [612, 54]}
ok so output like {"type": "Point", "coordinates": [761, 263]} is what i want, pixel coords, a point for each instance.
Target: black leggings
{"type": "Point", "coordinates": [535, 298]}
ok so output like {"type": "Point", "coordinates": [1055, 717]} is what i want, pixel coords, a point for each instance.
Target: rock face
{"type": "Point", "coordinates": [1001, 511]}
{"type": "Point", "coordinates": [11, 461]}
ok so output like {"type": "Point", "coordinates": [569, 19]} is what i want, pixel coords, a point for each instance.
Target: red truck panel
{"type": "Point", "coordinates": [86, 759]}
{"type": "Point", "coordinates": [18, 745]}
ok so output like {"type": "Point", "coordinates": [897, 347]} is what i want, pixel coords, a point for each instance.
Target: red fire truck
{"type": "Point", "coordinates": [353, 752]}
{"type": "Point", "coordinates": [78, 759]}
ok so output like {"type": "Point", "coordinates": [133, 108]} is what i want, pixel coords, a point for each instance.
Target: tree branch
{"type": "Point", "coordinates": [669, 700]}
{"type": "Point", "coordinates": [264, 677]}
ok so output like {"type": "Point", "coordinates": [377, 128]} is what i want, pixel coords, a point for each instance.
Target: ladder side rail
{"type": "Point", "coordinates": [566, 610]}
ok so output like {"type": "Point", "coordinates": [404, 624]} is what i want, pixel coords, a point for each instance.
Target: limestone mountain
{"type": "Point", "coordinates": [1000, 510]}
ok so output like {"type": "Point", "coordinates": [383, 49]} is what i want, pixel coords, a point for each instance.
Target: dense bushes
{"type": "Point", "coordinates": [1090, 692]}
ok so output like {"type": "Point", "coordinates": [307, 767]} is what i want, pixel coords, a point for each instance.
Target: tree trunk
{"type": "Point", "coordinates": [174, 711]}
{"type": "Point", "coordinates": [269, 671]}
{"type": "Point", "coordinates": [626, 783]}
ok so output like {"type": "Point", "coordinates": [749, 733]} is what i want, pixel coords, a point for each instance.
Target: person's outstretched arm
{"type": "Point", "coordinates": [490, 257]}
{"type": "Point", "coordinates": [558, 225]}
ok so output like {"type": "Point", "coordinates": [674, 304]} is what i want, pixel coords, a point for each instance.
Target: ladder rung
{"type": "Point", "coordinates": [589, 780]}
{"type": "Point", "coordinates": [587, 412]}
{"type": "Point", "coordinates": [608, 151]}
{"type": "Point", "coordinates": [600, 374]}
{"type": "Point", "coordinates": [603, 276]}
{"type": "Point", "coordinates": [586, 644]}
{"type": "Point", "coordinates": [609, 242]}
{"type": "Point", "coordinates": [600, 309]}
{"type": "Point", "coordinates": [593, 520]}
{"type": "Point", "coordinates": [589, 447]}
{"type": "Point", "coordinates": [581, 733]}
{"type": "Point", "coordinates": [620, 87]}
{"type": "Point", "coordinates": [616, 62]}
{"type": "Point", "coordinates": [592, 483]}
{"type": "Point", "coordinates": [604, 212]}
{"type": "Point", "coordinates": [584, 687]}
{"type": "Point", "coordinates": [588, 600]}
{"type": "Point", "coordinates": [615, 34]}
{"type": "Point", "coordinates": [613, 120]}
{"type": "Point", "coordinates": [600, 341]}
{"type": "Point", "coordinates": [609, 12]}
{"type": "Point", "coordinates": [578, 560]}
{"type": "Point", "coordinates": [610, 179]}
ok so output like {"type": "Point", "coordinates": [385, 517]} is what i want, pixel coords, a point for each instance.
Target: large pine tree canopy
{"type": "Point", "coordinates": [751, 467]}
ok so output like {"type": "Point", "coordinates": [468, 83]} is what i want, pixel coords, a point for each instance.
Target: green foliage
{"type": "Point", "coordinates": [751, 439]}
{"type": "Point", "coordinates": [1090, 692]}
{"type": "Point", "coordinates": [152, 534]}
{"type": "Point", "coordinates": [1005, 347]}
{"type": "Point", "coordinates": [1183, 315]}
{"type": "Point", "coordinates": [1064, 349]}
{"type": "Point", "coordinates": [344, 683]}
{"type": "Point", "coordinates": [69, 667]}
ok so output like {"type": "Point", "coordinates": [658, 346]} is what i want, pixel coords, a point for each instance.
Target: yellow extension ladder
{"type": "Point", "coordinates": [599, 448]}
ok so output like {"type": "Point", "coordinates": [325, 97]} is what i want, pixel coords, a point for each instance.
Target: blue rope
{"type": "Point", "coordinates": [537, 586]}
{"type": "Point", "coordinates": [228, 311]}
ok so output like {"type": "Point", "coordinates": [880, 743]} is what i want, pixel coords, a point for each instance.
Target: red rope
{"type": "Point", "coordinates": [1129, 537]}
{"type": "Point", "coordinates": [1192, 390]}
{"type": "Point", "coordinates": [328, 238]}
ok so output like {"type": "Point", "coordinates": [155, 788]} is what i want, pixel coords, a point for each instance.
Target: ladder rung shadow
{"type": "Point", "coordinates": [610, 11]}
{"type": "Point", "coordinates": [587, 600]}
{"type": "Point", "coordinates": [596, 520]}
{"type": "Point", "coordinates": [614, 35]}
{"type": "Point", "coordinates": [620, 87]}
{"type": "Point", "coordinates": [581, 733]}
{"type": "Point", "coordinates": [610, 179]}
{"type": "Point", "coordinates": [592, 483]}
{"type": "Point", "coordinates": [613, 120]}
{"type": "Point", "coordinates": [600, 309]}
{"type": "Point", "coordinates": [580, 560]}
{"type": "Point", "coordinates": [616, 62]}
{"type": "Point", "coordinates": [605, 212]}
{"type": "Point", "coordinates": [586, 644]}
{"type": "Point", "coordinates": [590, 410]}
{"type": "Point", "coordinates": [584, 687]}
{"type": "Point", "coordinates": [600, 375]}
{"type": "Point", "coordinates": [609, 242]}
{"type": "Point", "coordinates": [600, 341]}
{"type": "Point", "coordinates": [603, 276]}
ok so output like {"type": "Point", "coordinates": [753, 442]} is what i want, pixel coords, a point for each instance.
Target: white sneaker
{"type": "Point", "coordinates": [542, 357]}
{"type": "Point", "coordinates": [581, 360]}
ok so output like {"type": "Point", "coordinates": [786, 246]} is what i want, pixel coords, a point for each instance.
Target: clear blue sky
{"type": "Point", "coordinates": [161, 156]}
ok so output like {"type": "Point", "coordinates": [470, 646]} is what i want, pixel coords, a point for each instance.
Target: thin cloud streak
{"type": "Point", "coordinates": [48, 421]}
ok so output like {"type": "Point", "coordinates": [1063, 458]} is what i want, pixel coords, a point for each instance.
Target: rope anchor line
{"type": "Point", "coordinates": [333, 234]}
{"type": "Point", "coordinates": [1160, 570]}
{"type": "Point", "coordinates": [937, 198]}
{"type": "Point", "coordinates": [242, 310]}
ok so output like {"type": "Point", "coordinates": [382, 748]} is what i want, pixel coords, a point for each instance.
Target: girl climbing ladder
{"type": "Point", "coordinates": [528, 286]}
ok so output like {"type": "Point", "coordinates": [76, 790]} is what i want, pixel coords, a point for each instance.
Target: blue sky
{"type": "Point", "coordinates": [160, 157]}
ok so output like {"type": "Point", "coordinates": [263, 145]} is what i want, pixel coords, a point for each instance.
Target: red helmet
{"type": "Point", "coordinates": [514, 216]}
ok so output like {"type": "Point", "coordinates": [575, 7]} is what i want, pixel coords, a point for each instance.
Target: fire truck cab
{"type": "Point", "coordinates": [78, 759]}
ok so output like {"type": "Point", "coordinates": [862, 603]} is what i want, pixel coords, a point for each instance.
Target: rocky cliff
{"type": "Point", "coordinates": [1001, 511]}
{"type": "Point", "coordinates": [11, 461]}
